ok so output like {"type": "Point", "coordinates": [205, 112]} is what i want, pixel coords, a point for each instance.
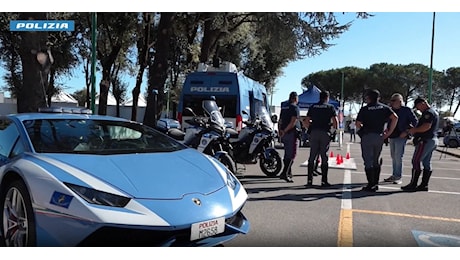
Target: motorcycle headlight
{"type": "Point", "coordinates": [98, 197]}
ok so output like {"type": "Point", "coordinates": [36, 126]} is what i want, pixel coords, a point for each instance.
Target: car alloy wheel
{"type": "Point", "coordinates": [18, 225]}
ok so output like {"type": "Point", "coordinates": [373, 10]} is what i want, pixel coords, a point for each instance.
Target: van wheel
{"type": "Point", "coordinates": [271, 166]}
{"type": "Point", "coordinates": [17, 218]}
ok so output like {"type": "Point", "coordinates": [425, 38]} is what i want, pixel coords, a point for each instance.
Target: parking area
{"type": "Point", "coordinates": [289, 214]}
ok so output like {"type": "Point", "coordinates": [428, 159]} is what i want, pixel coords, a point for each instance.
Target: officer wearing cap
{"type": "Point", "coordinates": [289, 117]}
{"type": "Point", "coordinates": [320, 117]}
{"type": "Point", "coordinates": [370, 123]}
{"type": "Point", "coordinates": [425, 141]}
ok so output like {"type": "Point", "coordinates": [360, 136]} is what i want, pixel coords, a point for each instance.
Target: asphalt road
{"type": "Point", "coordinates": [289, 214]}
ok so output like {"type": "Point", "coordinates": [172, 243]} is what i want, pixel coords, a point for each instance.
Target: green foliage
{"type": "Point", "coordinates": [80, 96]}
{"type": "Point", "coordinates": [409, 80]}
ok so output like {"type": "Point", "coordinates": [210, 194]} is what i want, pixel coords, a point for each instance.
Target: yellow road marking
{"type": "Point", "coordinates": [345, 232]}
{"type": "Point", "coordinates": [345, 228]}
{"type": "Point", "coordinates": [405, 215]}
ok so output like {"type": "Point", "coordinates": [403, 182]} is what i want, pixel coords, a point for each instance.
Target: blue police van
{"type": "Point", "coordinates": [233, 92]}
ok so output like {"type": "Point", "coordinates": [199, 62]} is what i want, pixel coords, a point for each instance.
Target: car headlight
{"type": "Point", "coordinates": [232, 182]}
{"type": "Point", "coordinates": [98, 197]}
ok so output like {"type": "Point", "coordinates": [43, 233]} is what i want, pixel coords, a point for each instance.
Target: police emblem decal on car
{"type": "Point", "coordinates": [197, 201]}
{"type": "Point", "coordinates": [61, 199]}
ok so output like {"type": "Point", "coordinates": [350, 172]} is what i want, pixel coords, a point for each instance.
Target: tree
{"type": "Point", "coordinates": [451, 84]}
{"type": "Point", "coordinates": [62, 46]}
{"type": "Point", "coordinates": [9, 54]}
{"type": "Point", "coordinates": [35, 71]}
{"type": "Point", "coordinates": [83, 28]}
{"type": "Point", "coordinates": [119, 87]}
{"type": "Point", "coordinates": [115, 34]}
{"type": "Point", "coordinates": [80, 96]}
{"type": "Point", "coordinates": [355, 81]}
{"type": "Point", "coordinates": [56, 51]}
{"type": "Point", "coordinates": [145, 41]}
{"type": "Point", "coordinates": [269, 41]}
{"type": "Point", "coordinates": [158, 70]}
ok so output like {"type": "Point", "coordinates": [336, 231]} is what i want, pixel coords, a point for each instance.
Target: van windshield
{"type": "Point", "coordinates": [227, 105]}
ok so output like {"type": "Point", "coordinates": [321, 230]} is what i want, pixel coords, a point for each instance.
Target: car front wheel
{"type": "Point", "coordinates": [17, 218]}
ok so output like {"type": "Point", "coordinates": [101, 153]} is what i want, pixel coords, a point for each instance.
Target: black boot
{"type": "Point", "coordinates": [375, 178]}
{"type": "Point", "coordinates": [315, 170]}
{"type": "Point", "coordinates": [425, 179]}
{"type": "Point", "coordinates": [284, 174]}
{"type": "Point", "coordinates": [413, 181]}
{"type": "Point", "coordinates": [369, 176]}
{"type": "Point", "coordinates": [324, 169]}
{"type": "Point", "coordinates": [289, 174]}
{"type": "Point", "coordinates": [310, 168]}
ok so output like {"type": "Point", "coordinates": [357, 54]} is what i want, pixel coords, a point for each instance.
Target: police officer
{"type": "Point", "coordinates": [289, 117]}
{"type": "Point", "coordinates": [370, 122]}
{"type": "Point", "coordinates": [425, 141]}
{"type": "Point", "coordinates": [318, 122]}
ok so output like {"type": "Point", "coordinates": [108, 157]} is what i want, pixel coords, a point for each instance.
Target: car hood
{"type": "Point", "coordinates": [151, 175]}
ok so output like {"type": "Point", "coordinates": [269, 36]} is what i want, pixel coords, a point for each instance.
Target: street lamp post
{"type": "Point", "coordinates": [430, 78]}
{"type": "Point", "coordinates": [93, 61]}
{"type": "Point", "coordinates": [341, 116]}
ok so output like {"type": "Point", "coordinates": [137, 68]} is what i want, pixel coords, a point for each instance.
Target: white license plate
{"type": "Point", "coordinates": [207, 228]}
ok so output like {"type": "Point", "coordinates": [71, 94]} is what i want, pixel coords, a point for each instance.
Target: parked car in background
{"type": "Point", "coordinates": [69, 178]}
{"type": "Point", "coordinates": [452, 135]}
{"type": "Point", "coordinates": [164, 124]}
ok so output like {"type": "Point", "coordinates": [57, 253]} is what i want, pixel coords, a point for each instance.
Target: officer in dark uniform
{"type": "Point", "coordinates": [318, 121]}
{"type": "Point", "coordinates": [425, 141]}
{"type": "Point", "coordinates": [289, 117]}
{"type": "Point", "coordinates": [370, 121]}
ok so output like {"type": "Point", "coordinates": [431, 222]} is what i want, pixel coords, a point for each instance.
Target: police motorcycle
{"type": "Point", "coordinates": [255, 142]}
{"type": "Point", "coordinates": [207, 134]}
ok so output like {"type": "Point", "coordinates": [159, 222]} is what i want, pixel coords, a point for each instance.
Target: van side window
{"type": "Point", "coordinates": [225, 82]}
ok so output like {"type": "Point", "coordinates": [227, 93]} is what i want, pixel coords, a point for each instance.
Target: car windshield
{"type": "Point", "coordinates": [96, 137]}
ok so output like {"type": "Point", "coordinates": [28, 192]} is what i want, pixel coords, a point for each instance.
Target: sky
{"type": "Point", "coordinates": [391, 37]}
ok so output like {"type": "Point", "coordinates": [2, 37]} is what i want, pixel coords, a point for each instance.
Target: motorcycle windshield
{"type": "Point", "coordinates": [211, 108]}
{"type": "Point", "coordinates": [264, 117]}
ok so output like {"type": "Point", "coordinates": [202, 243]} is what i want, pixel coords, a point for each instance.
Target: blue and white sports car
{"type": "Point", "coordinates": [75, 179]}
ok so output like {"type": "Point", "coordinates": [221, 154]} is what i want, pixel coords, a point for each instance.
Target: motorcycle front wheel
{"type": "Point", "coordinates": [226, 160]}
{"type": "Point", "coordinates": [272, 165]}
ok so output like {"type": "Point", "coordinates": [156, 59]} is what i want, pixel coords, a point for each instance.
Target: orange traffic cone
{"type": "Point", "coordinates": [331, 154]}
{"type": "Point", "coordinates": [337, 159]}
{"type": "Point", "coordinates": [347, 156]}
{"type": "Point", "coordinates": [341, 159]}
